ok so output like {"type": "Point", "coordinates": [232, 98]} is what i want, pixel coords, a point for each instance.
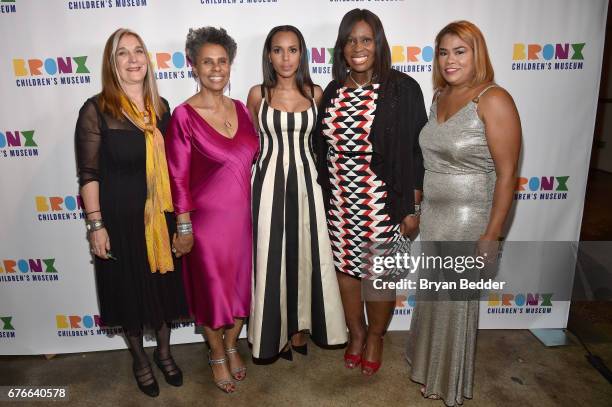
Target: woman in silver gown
{"type": "Point", "coordinates": [470, 147]}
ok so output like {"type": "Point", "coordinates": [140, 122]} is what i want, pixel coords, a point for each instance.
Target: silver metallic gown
{"type": "Point", "coordinates": [457, 195]}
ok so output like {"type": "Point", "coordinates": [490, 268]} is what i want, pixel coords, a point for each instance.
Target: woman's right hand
{"type": "Point", "coordinates": [182, 244]}
{"type": "Point", "coordinates": [100, 243]}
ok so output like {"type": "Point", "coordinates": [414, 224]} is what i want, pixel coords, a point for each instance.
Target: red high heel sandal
{"type": "Point", "coordinates": [369, 367]}
{"type": "Point", "coordinates": [351, 361]}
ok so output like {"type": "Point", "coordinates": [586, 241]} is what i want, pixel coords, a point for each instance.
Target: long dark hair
{"type": "Point", "coordinates": [382, 64]}
{"type": "Point", "coordinates": [302, 76]}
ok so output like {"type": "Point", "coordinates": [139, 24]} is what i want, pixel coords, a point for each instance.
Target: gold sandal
{"type": "Point", "coordinates": [236, 372]}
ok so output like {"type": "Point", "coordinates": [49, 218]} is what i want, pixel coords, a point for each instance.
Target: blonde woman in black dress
{"type": "Point", "coordinates": [126, 194]}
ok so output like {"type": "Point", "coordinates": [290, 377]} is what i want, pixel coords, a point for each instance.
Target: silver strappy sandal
{"type": "Point", "coordinates": [238, 373]}
{"type": "Point", "coordinates": [431, 396]}
{"type": "Point", "coordinates": [225, 385]}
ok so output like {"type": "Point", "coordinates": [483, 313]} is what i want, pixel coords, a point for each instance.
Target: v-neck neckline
{"type": "Point", "coordinates": [211, 126]}
{"type": "Point", "coordinates": [453, 115]}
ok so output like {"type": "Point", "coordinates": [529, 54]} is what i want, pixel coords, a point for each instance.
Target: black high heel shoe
{"type": "Point", "coordinates": [144, 375]}
{"type": "Point", "coordinates": [172, 373]}
{"type": "Point", "coordinates": [302, 349]}
{"type": "Point", "coordinates": [286, 354]}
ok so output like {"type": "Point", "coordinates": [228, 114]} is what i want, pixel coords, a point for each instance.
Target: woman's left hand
{"type": "Point", "coordinates": [488, 247]}
{"type": "Point", "coordinates": [410, 226]}
{"type": "Point", "coordinates": [182, 244]}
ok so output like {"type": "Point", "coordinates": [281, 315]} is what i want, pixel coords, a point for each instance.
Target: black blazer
{"type": "Point", "coordinates": [397, 159]}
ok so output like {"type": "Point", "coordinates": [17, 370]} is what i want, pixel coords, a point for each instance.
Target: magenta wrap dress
{"type": "Point", "coordinates": [210, 176]}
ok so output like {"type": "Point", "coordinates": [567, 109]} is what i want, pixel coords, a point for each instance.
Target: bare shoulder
{"type": "Point", "coordinates": [496, 99]}
{"type": "Point", "coordinates": [318, 93]}
{"type": "Point", "coordinates": [254, 97]}
{"type": "Point", "coordinates": [255, 91]}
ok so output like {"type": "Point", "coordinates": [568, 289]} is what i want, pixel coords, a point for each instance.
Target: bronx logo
{"type": "Point", "coordinates": [7, 323]}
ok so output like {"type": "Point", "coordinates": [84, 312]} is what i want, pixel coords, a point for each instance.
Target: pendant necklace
{"type": "Point", "coordinates": [359, 85]}
{"type": "Point", "coordinates": [226, 123]}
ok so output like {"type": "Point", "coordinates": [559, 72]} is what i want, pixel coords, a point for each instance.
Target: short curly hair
{"type": "Point", "coordinates": [197, 38]}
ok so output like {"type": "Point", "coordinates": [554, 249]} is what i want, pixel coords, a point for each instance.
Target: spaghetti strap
{"type": "Point", "coordinates": [312, 95]}
{"type": "Point", "coordinates": [437, 94]}
{"type": "Point", "coordinates": [482, 92]}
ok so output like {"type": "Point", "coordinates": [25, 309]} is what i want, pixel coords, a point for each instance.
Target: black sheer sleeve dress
{"type": "Point", "coordinates": [112, 152]}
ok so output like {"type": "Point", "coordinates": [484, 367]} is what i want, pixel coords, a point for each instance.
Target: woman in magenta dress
{"type": "Point", "coordinates": [211, 145]}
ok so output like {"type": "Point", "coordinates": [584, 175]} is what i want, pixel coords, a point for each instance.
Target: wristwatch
{"type": "Point", "coordinates": [417, 210]}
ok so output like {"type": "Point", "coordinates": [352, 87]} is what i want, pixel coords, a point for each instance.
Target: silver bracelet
{"type": "Point", "coordinates": [93, 225]}
{"type": "Point", "coordinates": [417, 210]}
{"type": "Point", "coordinates": [184, 228]}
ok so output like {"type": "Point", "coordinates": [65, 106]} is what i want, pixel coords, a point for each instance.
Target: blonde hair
{"type": "Point", "coordinates": [469, 33]}
{"type": "Point", "coordinates": [110, 97]}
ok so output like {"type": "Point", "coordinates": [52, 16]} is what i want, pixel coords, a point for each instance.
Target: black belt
{"type": "Point", "coordinates": [349, 153]}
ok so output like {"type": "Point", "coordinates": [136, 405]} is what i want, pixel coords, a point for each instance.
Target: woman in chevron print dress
{"type": "Point", "coordinates": [294, 285]}
{"type": "Point", "coordinates": [370, 168]}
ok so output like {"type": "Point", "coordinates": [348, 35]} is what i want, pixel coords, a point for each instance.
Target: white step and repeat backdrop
{"type": "Point", "coordinates": [547, 53]}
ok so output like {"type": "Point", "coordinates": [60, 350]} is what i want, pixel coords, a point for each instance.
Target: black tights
{"type": "Point", "coordinates": [141, 361]}
{"type": "Point", "coordinates": [163, 341]}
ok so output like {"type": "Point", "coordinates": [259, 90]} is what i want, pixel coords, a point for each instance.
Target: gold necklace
{"type": "Point", "coordinates": [359, 85]}
{"type": "Point", "coordinates": [145, 116]}
{"type": "Point", "coordinates": [226, 122]}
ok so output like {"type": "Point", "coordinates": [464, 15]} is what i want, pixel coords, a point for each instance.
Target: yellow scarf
{"type": "Point", "coordinates": [159, 199]}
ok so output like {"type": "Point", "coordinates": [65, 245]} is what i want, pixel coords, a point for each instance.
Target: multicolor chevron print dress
{"type": "Point", "coordinates": [357, 215]}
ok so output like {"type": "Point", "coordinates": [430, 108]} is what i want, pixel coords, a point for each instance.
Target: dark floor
{"type": "Point", "coordinates": [512, 367]}
{"type": "Point", "coordinates": [597, 217]}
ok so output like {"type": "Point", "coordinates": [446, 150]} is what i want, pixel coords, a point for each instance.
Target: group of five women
{"type": "Point", "coordinates": [270, 206]}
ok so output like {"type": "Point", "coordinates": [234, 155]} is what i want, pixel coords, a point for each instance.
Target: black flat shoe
{"type": "Point", "coordinates": [145, 375]}
{"type": "Point", "coordinates": [172, 373]}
